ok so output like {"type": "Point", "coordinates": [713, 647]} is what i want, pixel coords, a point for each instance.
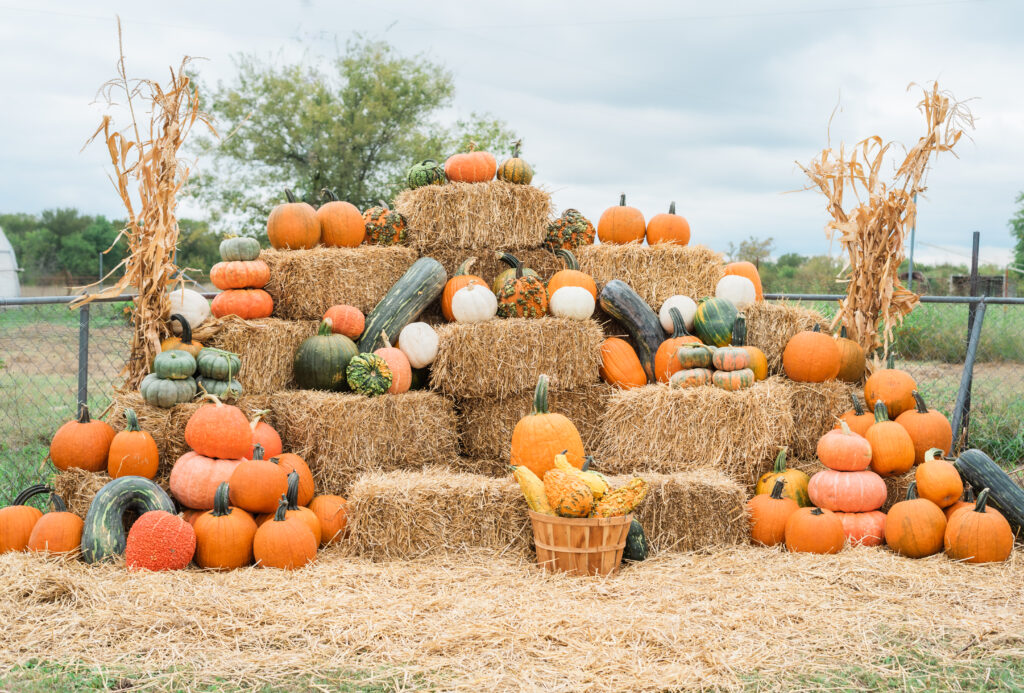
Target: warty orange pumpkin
{"type": "Point", "coordinates": [542, 434]}
{"type": "Point", "coordinates": [523, 296]}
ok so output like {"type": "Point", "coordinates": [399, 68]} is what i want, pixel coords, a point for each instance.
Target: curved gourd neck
{"type": "Point", "coordinates": [780, 461]}
{"type": "Point", "coordinates": [540, 396]}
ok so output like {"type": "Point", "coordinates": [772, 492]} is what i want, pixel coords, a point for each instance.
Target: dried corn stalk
{"type": "Point", "coordinates": [145, 154]}
{"type": "Point", "coordinates": [873, 232]}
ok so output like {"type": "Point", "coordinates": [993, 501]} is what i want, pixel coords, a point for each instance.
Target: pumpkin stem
{"type": "Point", "coordinates": [540, 396]}
{"type": "Point", "coordinates": [257, 452]}
{"type": "Point", "coordinates": [29, 493]}
{"type": "Point", "coordinates": [968, 493]}
{"type": "Point", "coordinates": [292, 495]}
{"type": "Point", "coordinates": [817, 511]}
{"type": "Point", "coordinates": [221, 500]}
{"type": "Point", "coordinates": [329, 194]}
{"type": "Point", "coordinates": [83, 414]}
{"type": "Point", "coordinates": [622, 200]}
{"type": "Point", "coordinates": [384, 336]}
{"type": "Point", "coordinates": [384, 205]}
{"type": "Point", "coordinates": [816, 328]}
{"type": "Point", "coordinates": [326, 327]}
{"type": "Point", "coordinates": [857, 408]}
{"type": "Point", "coordinates": [472, 146]}
{"type": "Point", "coordinates": [464, 267]}
{"type": "Point", "coordinates": [912, 490]}
{"type": "Point", "coordinates": [213, 399]}
{"type": "Point", "coordinates": [739, 331]}
{"type": "Point", "coordinates": [570, 259]}
{"type": "Point", "coordinates": [846, 427]}
{"type": "Point", "coordinates": [289, 195]}
{"type": "Point", "coordinates": [931, 454]}
{"type": "Point", "coordinates": [282, 509]}
{"type": "Point", "coordinates": [780, 461]}
{"type": "Point", "coordinates": [186, 328]}
{"type": "Point", "coordinates": [508, 258]}
{"type": "Point", "coordinates": [678, 324]}
{"type": "Point", "coordinates": [881, 412]}
{"type": "Point", "coordinates": [842, 332]}
{"type": "Point", "coordinates": [922, 408]}
{"type": "Point", "coordinates": [777, 488]}
{"type": "Point", "coordinates": [588, 462]}
{"type": "Point", "coordinates": [516, 146]}
{"type": "Point", "coordinates": [890, 361]}
{"type": "Point", "coordinates": [979, 506]}
{"type": "Point", "coordinates": [672, 208]}
{"type": "Point", "coordinates": [132, 419]}
{"type": "Point", "coordinates": [59, 506]}
{"type": "Point", "coordinates": [256, 419]}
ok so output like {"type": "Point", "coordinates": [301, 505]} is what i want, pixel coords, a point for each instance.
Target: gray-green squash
{"type": "Point", "coordinates": [103, 534]}
{"type": "Point", "coordinates": [165, 393]}
{"type": "Point", "coordinates": [420, 286]}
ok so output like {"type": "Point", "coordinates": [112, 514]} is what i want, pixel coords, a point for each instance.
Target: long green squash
{"type": "Point", "coordinates": [981, 472]}
{"type": "Point", "coordinates": [622, 303]}
{"type": "Point", "coordinates": [103, 535]}
{"type": "Point", "coordinates": [405, 300]}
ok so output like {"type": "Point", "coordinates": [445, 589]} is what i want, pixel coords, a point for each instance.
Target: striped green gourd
{"type": "Point", "coordinates": [714, 320]}
{"type": "Point", "coordinates": [103, 534]}
{"type": "Point", "coordinates": [405, 300]}
{"type": "Point", "coordinates": [321, 360]}
{"type": "Point", "coordinates": [978, 470]}
{"type": "Point", "coordinates": [515, 170]}
{"type": "Point", "coordinates": [618, 299]}
{"type": "Point", "coordinates": [368, 374]}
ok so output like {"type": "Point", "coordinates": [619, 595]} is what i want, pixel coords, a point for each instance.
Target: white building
{"type": "Point", "coordinates": [10, 286]}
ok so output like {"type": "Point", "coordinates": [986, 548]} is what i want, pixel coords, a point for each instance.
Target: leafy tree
{"type": "Point", "coordinates": [62, 242]}
{"type": "Point", "coordinates": [198, 247]}
{"type": "Point", "coordinates": [353, 126]}
{"type": "Point", "coordinates": [1017, 230]}
{"type": "Point", "coordinates": [753, 250]}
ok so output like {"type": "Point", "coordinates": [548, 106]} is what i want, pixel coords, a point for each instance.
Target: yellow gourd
{"type": "Point", "coordinates": [623, 500]}
{"type": "Point", "coordinates": [596, 482]}
{"type": "Point", "coordinates": [533, 488]}
{"type": "Point", "coordinates": [569, 495]}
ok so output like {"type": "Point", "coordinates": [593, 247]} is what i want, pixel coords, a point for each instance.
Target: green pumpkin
{"type": "Point", "coordinates": [164, 393]}
{"type": "Point", "coordinates": [513, 262]}
{"type": "Point", "coordinates": [218, 364]}
{"type": "Point", "coordinates": [226, 390]}
{"type": "Point", "coordinates": [714, 320]}
{"type": "Point", "coordinates": [242, 248]}
{"type": "Point", "coordinates": [174, 364]}
{"type": "Point", "coordinates": [637, 547]}
{"type": "Point", "coordinates": [427, 172]}
{"type": "Point", "coordinates": [103, 533]}
{"type": "Point", "coordinates": [515, 170]}
{"type": "Point", "coordinates": [368, 374]}
{"type": "Point", "coordinates": [321, 360]}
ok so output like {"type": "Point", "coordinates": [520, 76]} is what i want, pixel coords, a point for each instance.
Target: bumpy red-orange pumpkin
{"type": "Point", "coordinates": [159, 541]}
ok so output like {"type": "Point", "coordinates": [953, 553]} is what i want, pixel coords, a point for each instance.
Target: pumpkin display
{"type": "Point", "coordinates": [938, 480]}
{"type": "Point", "coordinates": [218, 430]}
{"type": "Point", "coordinates": [294, 510]}
{"type": "Point", "coordinates": [568, 495]}
{"type": "Point", "coordinates": [174, 365]}
{"type": "Point", "coordinates": [184, 341]}
{"type": "Point", "coordinates": [56, 532]}
{"type": "Point", "coordinates": [965, 501]}
{"type": "Point", "coordinates": [571, 275]}
{"type": "Point", "coordinates": [620, 301]}
{"type": "Point", "coordinates": [814, 530]}
{"type": "Point", "coordinates": [473, 303]}
{"type": "Point", "coordinates": [730, 358]}
{"type": "Point", "coordinates": [368, 374]}
{"type": "Point", "coordinates": [768, 515]}
{"type": "Point", "coordinates": [572, 302]}
{"type": "Point", "coordinates": [620, 365]}
{"type": "Point", "coordinates": [132, 452]}
{"type": "Point", "coordinates": [398, 364]}
{"type": "Point", "coordinates": [470, 167]}
{"type": "Point", "coordinates": [346, 320]}
{"type": "Point", "coordinates": [569, 231]}
{"type": "Point", "coordinates": [851, 359]}
{"type": "Point", "coordinates": [239, 248]}
{"type": "Point", "coordinates": [915, 527]}
{"type": "Point", "coordinates": [843, 450]}
{"type": "Point", "coordinates": [542, 434]}
{"type": "Point", "coordinates": [738, 290]}
{"type": "Point", "coordinates": [293, 225]}
{"type": "Point", "coordinates": [666, 360]}
{"type": "Point", "coordinates": [166, 393]}
{"type": "Point", "coordinates": [426, 172]}
{"type": "Point", "coordinates": [522, 296]}
{"type": "Point", "coordinates": [341, 223]}
{"type": "Point", "coordinates": [978, 470]}
{"type": "Point", "coordinates": [694, 355]}
{"type": "Point", "coordinates": [758, 359]}
{"type": "Point", "coordinates": [892, 450]}
{"type": "Point", "coordinates": [848, 492]}
{"type": "Point", "coordinates": [419, 342]}
{"type": "Point", "coordinates": [420, 286]}
{"type": "Point", "coordinates": [253, 274]}
{"type": "Point", "coordinates": [505, 275]}
{"type": "Point", "coordinates": [691, 377]}
{"type": "Point", "coordinates": [194, 478]}
{"type": "Point", "coordinates": [284, 542]}
{"type": "Point", "coordinates": [928, 428]}
{"type": "Point", "coordinates": [864, 529]}
{"type": "Point", "coordinates": [460, 280]}
{"type": "Point", "coordinates": [18, 519]}
{"type": "Point", "coordinates": [857, 418]}
{"type": "Point", "coordinates": [160, 540]}
{"type": "Point", "coordinates": [226, 390]}
{"type": "Point", "coordinates": [749, 270]}
{"type": "Point", "coordinates": [264, 435]}
{"type": "Point", "coordinates": [218, 364]}
{"type": "Point", "coordinates": [248, 304]}
{"type": "Point", "coordinates": [733, 380]}
{"type": "Point", "coordinates": [321, 360]}
{"type": "Point", "coordinates": [515, 170]}
{"type": "Point", "coordinates": [82, 443]}
{"type": "Point", "coordinates": [332, 511]}
{"type": "Point", "coordinates": [686, 306]}
{"type": "Point", "coordinates": [290, 462]}
{"type": "Point", "coordinates": [811, 357]}
{"type": "Point", "coordinates": [621, 224]}
{"type": "Point", "coordinates": [714, 320]}
{"type": "Point", "coordinates": [224, 535]}
{"type": "Point", "coordinates": [893, 387]}
{"type": "Point", "coordinates": [103, 532]}
{"type": "Point", "coordinates": [977, 535]}
{"type": "Point", "coordinates": [189, 304]}
{"type": "Point", "coordinates": [668, 228]}
{"type": "Point", "coordinates": [384, 226]}
{"type": "Point", "coordinates": [256, 484]}
{"type": "Point", "coordinates": [796, 481]}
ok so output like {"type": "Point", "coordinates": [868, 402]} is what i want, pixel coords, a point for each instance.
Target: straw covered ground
{"type": "Point", "coordinates": [770, 325]}
{"type": "Point", "coordinates": [494, 215]}
{"type": "Point", "coordinates": [816, 406]}
{"type": "Point", "coordinates": [660, 429]}
{"type": "Point", "coordinates": [305, 283]}
{"type": "Point", "coordinates": [342, 435]}
{"type": "Point", "coordinates": [403, 515]}
{"type": "Point", "coordinates": [266, 346]}
{"type": "Point", "coordinates": [504, 357]}
{"type": "Point", "coordinates": [486, 423]}
{"type": "Point", "coordinates": [655, 272]}
{"type": "Point", "coordinates": [738, 617]}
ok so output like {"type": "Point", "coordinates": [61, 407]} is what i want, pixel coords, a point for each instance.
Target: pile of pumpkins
{"type": "Point", "coordinates": [811, 356]}
{"type": "Point", "coordinates": [241, 276]}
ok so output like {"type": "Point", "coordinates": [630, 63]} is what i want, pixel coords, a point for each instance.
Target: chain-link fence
{"type": "Point", "coordinates": [44, 371]}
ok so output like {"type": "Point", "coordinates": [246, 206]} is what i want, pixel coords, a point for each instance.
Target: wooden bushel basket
{"type": "Point", "coordinates": [580, 546]}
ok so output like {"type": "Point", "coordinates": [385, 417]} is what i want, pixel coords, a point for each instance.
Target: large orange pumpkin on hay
{"type": "Point", "coordinates": [58, 531]}
{"type": "Point", "coordinates": [893, 387]}
{"type": "Point", "coordinates": [82, 443]}
{"type": "Point", "coordinates": [341, 223]}
{"type": "Point", "coordinates": [620, 366]}
{"type": "Point", "coordinates": [622, 224]}
{"type": "Point", "coordinates": [219, 430]}
{"type": "Point", "coordinates": [248, 304]}
{"type": "Point", "coordinates": [293, 224]}
{"type": "Point", "coordinates": [542, 434]}
{"type": "Point", "coordinates": [471, 166]}
{"type": "Point", "coordinates": [811, 357]}
{"type": "Point", "coordinates": [18, 519]}
{"type": "Point", "coordinates": [284, 542]}
{"type": "Point", "coordinates": [748, 270]}
{"type": "Point", "coordinates": [461, 279]}
{"type": "Point", "coordinates": [668, 228]}
{"type": "Point", "coordinates": [224, 535]}
{"type": "Point", "coordinates": [978, 534]}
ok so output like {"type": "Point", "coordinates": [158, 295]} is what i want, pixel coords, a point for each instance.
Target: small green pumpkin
{"type": "Point", "coordinates": [515, 170]}
{"type": "Point", "coordinates": [103, 534]}
{"type": "Point", "coordinates": [637, 547]}
{"type": "Point", "coordinates": [714, 321]}
{"type": "Point", "coordinates": [239, 248]}
{"type": "Point", "coordinates": [164, 393]}
{"type": "Point", "coordinates": [218, 364]}
{"type": "Point", "coordinates": [427, 172]}
{"type": "Point", "coordinates": [174, 365]}
{"type": "Point", "coordinates": [226, 390]}
{"type": "Point", "coordinates": [694, 356]}
{"type": "Point", "coordinates": [368, 374]}
{"type": "Point", "coordinates": [321, 360]}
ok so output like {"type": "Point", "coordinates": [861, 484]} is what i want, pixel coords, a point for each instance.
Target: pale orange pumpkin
{"type": "Point", "coordinates": [346, 320]}
{"type": "Point", "coordinates": [398, 362]}
{"type": "Point", "coordinates": [240, 274]}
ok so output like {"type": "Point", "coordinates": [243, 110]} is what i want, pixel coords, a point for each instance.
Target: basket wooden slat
{"type": "Point", "coordinates": [580, 546]}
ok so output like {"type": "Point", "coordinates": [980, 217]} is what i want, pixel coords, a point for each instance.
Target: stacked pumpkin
{"type": "Point", "coordinates": [241, 276]}
{"type": "Point", "coordinates": [812, 356]}
{"type": "Point", "coordinates": [170, 380]}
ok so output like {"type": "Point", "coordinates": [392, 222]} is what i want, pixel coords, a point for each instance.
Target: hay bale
{"type": "Point", "coordinates": [816, 406]}
{"type": "Point", "coordinates": [486, 423]}
{"type": "Point", "coordinates": [655, 272]}
{"type": "Point", "coordinates": [77, 487]}
{"type": "Point", "coordinates": [267, 349]}
{"type": "Point", "coordinates": [504, 357]}
{"type": "Point", "coordinates": [897, 488]}
{"type": "Point", "coordinates": [488, 266]}
{"type": "Point", "coordinates": [495, 215]}
{"type": "Point", "coordinates": [770, 325]}
{"type": "Point", "coordinates": [484, 466]}
{"type": "Point", "coordinates": [342, 435]}
{"type": "Point", "coordinates": [659, 429]}
{"type": "Point", "coordinates": [305, 283]}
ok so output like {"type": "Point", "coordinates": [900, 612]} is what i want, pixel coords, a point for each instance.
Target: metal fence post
{"type": "Point", "coordinates": [972, 310]}
{"type": "Point", "coordinates": [83, 356]}
{"type": "Point", "coordinates": [962, 409]}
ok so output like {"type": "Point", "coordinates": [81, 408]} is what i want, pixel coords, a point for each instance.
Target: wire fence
{"type": "Point", "coordinates": [51, 357]}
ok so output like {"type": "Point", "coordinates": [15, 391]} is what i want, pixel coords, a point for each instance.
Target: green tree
{"type": "Point", "coordinates": [353, 126]}
{"type": "Point", "coordinates": [198, 247]}
{"type": "Point", "coordinates": [755, 250]}
{"type": "Point", "coordinates": [1017, 230]}
{"type": "Point", "coordinates": [62, 242]}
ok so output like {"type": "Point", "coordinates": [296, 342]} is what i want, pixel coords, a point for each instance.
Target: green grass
{"type": "Point", "coordinates": [100, 315]}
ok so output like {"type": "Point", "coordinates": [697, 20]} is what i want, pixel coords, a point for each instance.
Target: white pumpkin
{"type": "Point", "coordinates": [737, 289]}
{"type": "Point", "coordinates": [418, 341]}
{"type": "Point", "coordinates": [687, 308]}
{"type": "Point", "coordinates": [573, 302]}
{"type": "Point", "coordinates": [474, 303]}
{"type": "Point", "coordinates": [189, 304]}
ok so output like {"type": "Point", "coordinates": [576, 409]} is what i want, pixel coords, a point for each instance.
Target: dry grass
{"type": "Point", "coordinates": [655, 272]}
{"type": "Point", "coordinates": [722, 619]}
{"type": "Point", "coordinates": [77, 487]}
{"type": "Point", "coordinates": [403, 515]}
{"type": "Point", "coordinates": [488, 266]}
{"type": "Point", "coordinates": [486, 423]}
{"type": "Point", "coordinates": [496, 215]}
{"type": "Point", "coordinates": [267, 348]}
{"type": "Point", "coordinates": [771, 325]}
{"type": "Point", "coordinates": [816, 406]}
{"type": "Point", "coordinates": [344, 435]}
{"type": "Point", "coordinates": [305, 283]}
{"type": "Point", "coordinates": [503, 357]}
{"type": "Point", "coordinates": [659, 429]}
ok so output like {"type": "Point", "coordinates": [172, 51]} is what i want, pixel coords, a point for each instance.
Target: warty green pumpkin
{"type": "Point", "coordinates": [427, 172]}
{"type": "Point", "coordinates": [368, 374]}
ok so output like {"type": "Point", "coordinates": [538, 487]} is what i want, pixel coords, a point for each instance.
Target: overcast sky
{"type": "Point", "coordinates": [705, 103]}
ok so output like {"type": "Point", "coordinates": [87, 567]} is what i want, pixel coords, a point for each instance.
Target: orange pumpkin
{"type": "Point", "coordinates": [915, 527]}
{"type": "Point", "coordinates": [218, 430]}
{"type": "Point", "coordinates": [893, 387]}
{"type": "Point", "coordinates": [622, 224]}
{"type": "Point", "coordinates": [814, 530]}
{"type": "Point", "coordinates": [978, 534]}
{"type": "Point", "coordinates": [83, 443]}
{"type": "Point", "coordinates": [730, 358]}
{"type": "Point", "coordinates": [341, 223]}
{"type": "Point", "coordinates": [290, 462]}
{"type": "Point", "coordinates": [620, 366]}
{"type": "Point", "coordinates": [965, 501]}
{"type": "Point", "coordinates": [471, 166]}
{"type": "Point", "coordinates": [938, 480]}
{"type": "Point", "coordinates": [666, 358]}
{"type": "Point", "coordinates": [522, 296]}
{"type": "Point", "coordinates": [733, 380]}
{"type": "Point", "coordinates": [748, 270]}
{"type": "Point", "coordinates": [571, 275]}
{"type": "Point", "coordinates": [668, 228]}
{"type": "Point", "coordinates": [892, 450]}
{"type": "Point", "coordinates": [843, 450]}
{"type": "Point", "coordinates": [928, 428]}
{"type": "Point", "coordinates": [811, 357]}
{"type": "Point", "coordinates": [346, 320]}
{"type": "Point", "coordinates": [851, 359]}
{"type": "Point", "coordinates": [264, 434]}
{"type": "Point", "coordinates": [57, 531]}
{"type": "Point", "coordinates": [461, 279]}
{"type": "Point", "coordinates": [195, 478]}
{"type": "Point", "coordinates": [284, 542]}
{"type": "Point", "coordinates": [848, 492]}
{"type": "Point", "coordinates": [857, 419]}
{"type": "Point", "coordinates": [541, 434]}
{"type": "Point", "coordinates": [183, 341]}
{"type": "Point", "coordinates": [17, 520]}
{"type": "Point", "coordinates": [256, 484]}
{"type": "Point", "coordinates": [768, 515]}
{"type": "Point", "coordinates": [864, 529]}
{"type": "Point", "coordinates": [398, 362]}
{"type": "Point", "coordinates": [240, 274]}
{"type": "Point", "coordinates": [758, 359]}
{"type": "Point", "coordinates": [248, 304]}
{"type": "Point", "coordinates": [332, 511]}
{"type": "Point", "coordinates": [133, 452]}
{"type": "Point", "coordinates": [224, 535]}
{"type": "Point", "coordinates": [293, 224]}
{"type": "Point", "coordinates": [295, 510]}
